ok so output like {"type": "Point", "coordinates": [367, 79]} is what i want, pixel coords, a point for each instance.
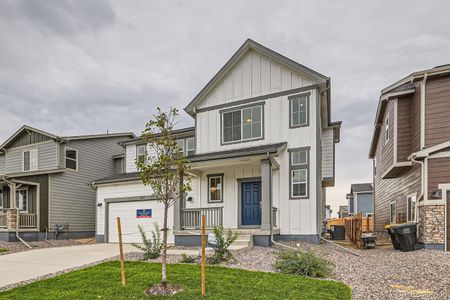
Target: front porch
{"type": "Point", "coordinates": [19, 205]}
{"type": "Point", "coordinates": [233, 192]}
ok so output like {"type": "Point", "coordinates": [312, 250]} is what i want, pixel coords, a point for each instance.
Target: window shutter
{"type": "Point", "coordinates": [34, 159]}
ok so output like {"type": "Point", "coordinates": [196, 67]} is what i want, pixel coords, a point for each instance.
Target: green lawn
{"type": "Point", "coordinates": [103, 282]}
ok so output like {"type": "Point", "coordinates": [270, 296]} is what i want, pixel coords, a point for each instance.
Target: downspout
{"type": "Point", "coordinates": [422, 168]}
{"type": "Point", "coordinates": [422, 111]}
{"type": "Point", "coordinates": [13, 192]}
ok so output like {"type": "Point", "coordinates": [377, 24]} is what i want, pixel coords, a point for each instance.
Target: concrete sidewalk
{"type": "Point", "coordinates": [22, 266]}
{"type": "Point", "coordinates": [27, 265]}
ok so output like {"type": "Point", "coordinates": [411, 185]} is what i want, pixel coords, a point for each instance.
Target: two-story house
{"type": "Point", "coordinates": [261, 155]}
{"type": "Point", "coordinates": [45, 182]}
{"type": "Point", "coordinates": [411, 155]}
{"type": "Point", "coordinates": [360, 199]}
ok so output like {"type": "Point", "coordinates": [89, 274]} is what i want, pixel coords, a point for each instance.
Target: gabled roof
{"type": "Point", "coordinates": [251, 45]}
{"type": "Point", "coordinates": [361, 187]}
{"type": "Point", "coordinates": [26, 128]}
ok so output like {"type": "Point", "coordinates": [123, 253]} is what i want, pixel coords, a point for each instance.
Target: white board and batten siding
{"type": "Point", "coordinates": [256, 75]}
{"type": "Point", "coordinates": [127, 211]}
{"type": "Point", "coordinates": [328, 153]}
{"type": "Point", "coordinates": [130, 157]}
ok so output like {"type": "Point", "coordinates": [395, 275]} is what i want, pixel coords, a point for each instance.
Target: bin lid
{"type": "Point", "coordinates": [389, 226]}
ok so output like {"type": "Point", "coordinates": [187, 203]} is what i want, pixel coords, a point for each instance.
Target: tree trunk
{"type": "Point", "coordinates": [164, 251]}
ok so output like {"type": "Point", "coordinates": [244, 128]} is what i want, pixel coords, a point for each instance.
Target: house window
{"type": "Point", "coordinates": [215, 188]}
{"type": "Point", "coordinates": [299, 173]}
{"type": "Point", "coordinates": [140, 153]}
{"type": "Point", "coordinates": [393, 212]}
{"type": "Point", "coordinates": [180, 144]}
{"type": "Point", "coordinates": [386, 131]}
{"type": "Point", "coordinates": [298, 110]}
{"type": "Point", "coordinates": [190, 146]}
{"type": "Point", "coordinates": [242, 125]}
{"type": "Point", "coordinates": [29, 160]}
{"type": "Point", "coordinates": [22, 200]}
{"type": "Point", "coordinates": [411, 206]}
{"type": "Point", "coordinates": [71, 159]}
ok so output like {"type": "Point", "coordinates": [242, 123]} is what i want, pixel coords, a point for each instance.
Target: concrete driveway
{"type": "Point", "coordinates": [22, 266]}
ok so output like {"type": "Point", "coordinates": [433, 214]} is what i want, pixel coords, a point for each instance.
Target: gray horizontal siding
{"type": "Point", "coordinates": [72, 200]}
{"type": "Point", "coordinates": [2, 164]}
{"type": "Point", "coordinates": [47, 156]}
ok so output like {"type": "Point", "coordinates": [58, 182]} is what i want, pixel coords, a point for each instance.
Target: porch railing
{"type": "Point", "coordinates": [28, 220]}
{"type": "Point", "coordinates": [191, 218]}
{"type": "Point", "coordinates": [2, 220]}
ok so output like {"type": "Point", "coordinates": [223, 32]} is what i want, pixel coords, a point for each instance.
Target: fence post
{"type": "Point", "coordinates": [203, 255]}
{"type": "Point", "coordinates": [122, 267]}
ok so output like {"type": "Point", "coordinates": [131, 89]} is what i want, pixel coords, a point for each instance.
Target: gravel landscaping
{"type": "Point", "coordinates": [381, 273]}
{"type": "Point", "coordinates": [19, 247]}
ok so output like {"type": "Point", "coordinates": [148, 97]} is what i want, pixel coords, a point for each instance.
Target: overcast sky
{"type": "Point", "coordinates": [78, 67]}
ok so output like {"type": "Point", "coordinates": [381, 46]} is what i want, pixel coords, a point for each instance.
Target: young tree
{"type": "Point", "coordinates": [164, 169]}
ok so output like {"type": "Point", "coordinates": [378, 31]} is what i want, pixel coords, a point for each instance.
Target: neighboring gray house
{"type": "Point", "coordinates": [45, 182]}
{"type": "Point", "coordinates": [343, 211]}
{"type": "Point", "coordinates": [360, 199]}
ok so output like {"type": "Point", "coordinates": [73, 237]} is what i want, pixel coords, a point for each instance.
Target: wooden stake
{"type": "Point", "coordinates": [203, 255]}
{"type": "Point", "coordinates": [122, 266]}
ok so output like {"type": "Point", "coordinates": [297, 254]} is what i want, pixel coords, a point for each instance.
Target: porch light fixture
{"type": "Point", "coordinates": [248, 120]}
{"type": "Point", "coordinates": [436, 194]}
{"type": "Point", "coordinates": [99, 204]}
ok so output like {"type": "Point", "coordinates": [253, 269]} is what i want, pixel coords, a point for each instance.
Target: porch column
{"type": "Point", "coordinates": [177, 209]}
{"type": "Point", "coordinates": [266, 194]}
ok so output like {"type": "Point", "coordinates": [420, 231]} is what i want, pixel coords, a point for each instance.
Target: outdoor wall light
{"type": "Point", "coordinates": [436, 194]}
{"type": "Point", "coordinates": [99, 204]}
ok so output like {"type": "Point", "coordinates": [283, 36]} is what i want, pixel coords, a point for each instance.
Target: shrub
{"type": "Point", "coordinates": [303, 263]}
{"type": "Point", "coordinates": [187, 259]}
{"type": "Point", "coordinates": [3, 250]}
{"type": "Point", "coordinates": [152, 248]}
{"type": "Point", "coordinates": [224, 241]}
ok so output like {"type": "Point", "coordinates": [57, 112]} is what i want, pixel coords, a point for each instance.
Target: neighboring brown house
{"type": "Point", "coordinates": [411, 155]}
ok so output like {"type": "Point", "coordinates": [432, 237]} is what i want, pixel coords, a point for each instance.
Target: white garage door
{"type": "Point", "coordinates": [133, 214]}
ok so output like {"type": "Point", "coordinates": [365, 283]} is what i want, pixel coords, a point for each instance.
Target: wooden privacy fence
{"type": "Point", "coordinates": [355, 226]}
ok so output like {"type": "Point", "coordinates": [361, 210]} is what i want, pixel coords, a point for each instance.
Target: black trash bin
{"type": "Point", "coordinates": [394, 238]}
{"type": "Point", "coordinates": [407, 236]}
{"type": "Point", "coordinates": [338, 233]}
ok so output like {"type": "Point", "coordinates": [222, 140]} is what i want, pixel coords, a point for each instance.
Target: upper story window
{"type": "Point", "coordinates": [71, 159]}
{"type": "Point", "coordinates": [190, 146]}
{"type": "Point", "coordinates": [140, 153]}
{"type": "Point", "coordinates": [180, 144]}
{"type": "Point", "coordinates": [299, 173]}
{"type": "Point", "coordinates": [386, 131]}
{"type": "Point", "coordinates": [22, 199]}
{"type": "Point", "coordinates": [298, 110]}
{"type": "Point", "coordinates": [242, 124]}
{"type": "Point", "coordinates": [30, 160]}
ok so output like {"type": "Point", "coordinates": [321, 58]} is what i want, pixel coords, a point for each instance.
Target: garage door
{"type": "Point", "coordinates": [136, 213]}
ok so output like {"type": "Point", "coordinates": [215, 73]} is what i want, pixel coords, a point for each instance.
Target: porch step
{"type": "Point", "coordinates": [243, 241]}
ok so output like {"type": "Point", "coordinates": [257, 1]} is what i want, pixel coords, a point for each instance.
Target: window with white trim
{"type": "Point", "coordinates": [298, 110]}
{"type": "Point", "coordinates": [386, 131]}
{"type": "Point", "coordinates": [22, 199]}
{"type": "Point", "coordinates": [411, 207]}
{"type": "Point", "coordinates": [242, 124]}
{"type": "Point", "coordinates": [140, 153]}
{"type": "Point", "coordinates": [215, 188]}
{"type": "Point", "coordinates": [71, 159]}
{"type": "Point", "coordinates": [299, 173]}
{"type": "Point", "coordinates": [180, 144]}
{"type": "Point", "coordinates": [30, 160]}
{"type": "Point", "coordinates": [392, 212]}
{"type": "Point", "coordinates": [190, 146]}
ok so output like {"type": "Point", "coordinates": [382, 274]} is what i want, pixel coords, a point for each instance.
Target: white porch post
{"type": "Point", "coordinates": [177, 209]}
{"type": "Point", "coordinates": [266, 194]}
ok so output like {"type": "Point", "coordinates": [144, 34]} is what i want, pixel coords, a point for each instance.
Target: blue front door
{"type": "Point", "coordinates": [251, 203]}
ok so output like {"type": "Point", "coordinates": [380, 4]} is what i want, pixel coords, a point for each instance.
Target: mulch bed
{"type": "Point", "coordinates": [163, 290]}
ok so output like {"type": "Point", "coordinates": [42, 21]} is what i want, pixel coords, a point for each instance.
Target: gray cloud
{"type": "Point", "coordinates": [73, 67]}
